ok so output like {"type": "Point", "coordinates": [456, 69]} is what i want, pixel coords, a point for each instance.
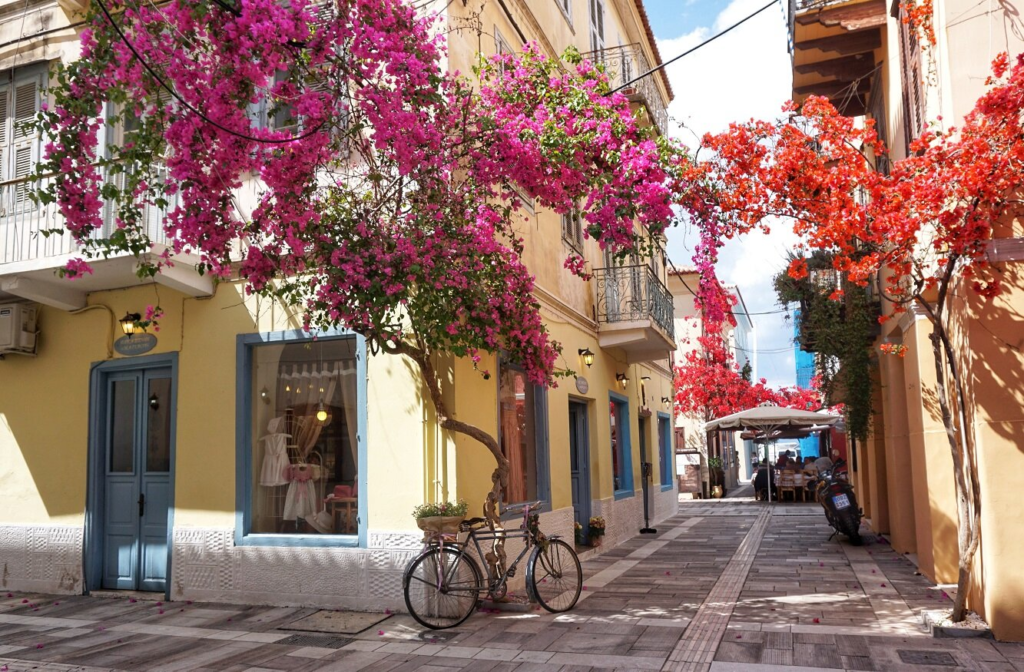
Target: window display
{"type": "Point", "coordinates": [304, 453]}
{"type": "Point", "coordinates": [518, 433]}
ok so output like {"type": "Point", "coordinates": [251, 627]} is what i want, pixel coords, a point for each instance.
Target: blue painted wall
{"type": "Point", "coordinates": [804, 373]}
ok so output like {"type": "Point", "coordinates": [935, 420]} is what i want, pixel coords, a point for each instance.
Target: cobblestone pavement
{"type": "Point", "coordinates": [725, 585]}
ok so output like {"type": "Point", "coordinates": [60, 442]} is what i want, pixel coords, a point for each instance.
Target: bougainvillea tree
{"type": "Point", "coordinates": [387, 188]}
{"type": "Point", "coordinates": [918, 231]}
{"type": "Point", "coordinates": [709, 383]}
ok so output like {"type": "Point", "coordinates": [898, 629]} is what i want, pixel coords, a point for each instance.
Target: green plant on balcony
{"type": "Point", "coordinates": [838, 321]}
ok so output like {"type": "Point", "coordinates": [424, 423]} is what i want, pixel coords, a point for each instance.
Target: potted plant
{"type": "Point", "coordinates": [580, 539]}
{"type": "Point", "coordinates": [596, 530]}
{"type": "Point", "coordinates": [716, 476]}
{"type": "Point", "coordinates": [440, 517]}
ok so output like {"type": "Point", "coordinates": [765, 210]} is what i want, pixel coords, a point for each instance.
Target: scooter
{"type": "Point", "coordinates": [835, 493]}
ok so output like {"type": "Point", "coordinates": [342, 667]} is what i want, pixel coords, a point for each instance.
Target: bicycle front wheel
{"type": "Point", "coordinates": [441, 588]}
{"type": "Point", "coordinates": [555, 577]}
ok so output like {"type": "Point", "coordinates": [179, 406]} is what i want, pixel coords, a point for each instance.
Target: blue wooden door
{"type": "Point", "coordinates": [137, 442]}
{"type": "Point", "coordinates": [579, 458]}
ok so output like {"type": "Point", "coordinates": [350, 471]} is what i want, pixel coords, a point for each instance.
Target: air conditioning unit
{"type": "Point", "coordinates": [17, 328]}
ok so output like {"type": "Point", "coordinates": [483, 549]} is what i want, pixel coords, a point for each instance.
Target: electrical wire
{"type": "Point", "coordinates": [185, 103]}
{"type": "Point", "coordinates": [693, 49]}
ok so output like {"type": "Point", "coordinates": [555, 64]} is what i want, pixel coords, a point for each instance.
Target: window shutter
{"type": "Point", "coordinates": [5, 122]}
{"type": "Point", "coordinates": [23, 139]}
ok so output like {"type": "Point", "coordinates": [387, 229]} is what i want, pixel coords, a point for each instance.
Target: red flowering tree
{"type": "Point", "coordinates": [709, 383]}
{"type": "Point", "coordinates": [388, 188]}
{"type": "Point", "coordinates": [923, 228]}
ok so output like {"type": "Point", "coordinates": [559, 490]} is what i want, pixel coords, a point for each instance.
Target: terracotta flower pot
{"type": "Point", "coordinates": [595, 540]}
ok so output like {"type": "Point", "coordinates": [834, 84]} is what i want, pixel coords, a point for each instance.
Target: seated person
{"type": "Point", "coordinates": [809, 464]}
{"type": "Point", "coordinates": [762, 481]}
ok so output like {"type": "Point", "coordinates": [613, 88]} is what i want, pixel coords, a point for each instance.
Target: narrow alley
{"type": "Point", "coordinates": [725, 585]}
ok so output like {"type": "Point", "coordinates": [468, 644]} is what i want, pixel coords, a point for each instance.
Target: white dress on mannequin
{"type": "Point", "coordinates": [275, 455]}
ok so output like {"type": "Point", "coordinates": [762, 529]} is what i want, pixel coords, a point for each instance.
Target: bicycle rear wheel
{"type": "Point", "coordinates": [441, 588]}
{"type": "Point", "coordinates": [554, 576]}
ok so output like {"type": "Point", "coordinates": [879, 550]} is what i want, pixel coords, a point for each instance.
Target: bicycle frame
{"type": "Point", "coordinates": [495, 583]}
{"type": "Point", "coordinates": [496, 580]}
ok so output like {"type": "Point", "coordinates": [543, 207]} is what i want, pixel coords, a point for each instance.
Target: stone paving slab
{"type": "Point", "coordinates": [726, 585]}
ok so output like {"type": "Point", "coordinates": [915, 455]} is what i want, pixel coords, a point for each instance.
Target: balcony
{"type": "Point", "coordinates": [623, 64]}
{"type": "Point", "coordinates": [29, 260]}
{"type": "Point", "coordinates": [837, 46]}
{"type": "Point", "coordinates": [634, 312]}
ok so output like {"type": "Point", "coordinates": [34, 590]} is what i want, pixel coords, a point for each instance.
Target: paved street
{"type": "Point", "coordinates": [725, 585]}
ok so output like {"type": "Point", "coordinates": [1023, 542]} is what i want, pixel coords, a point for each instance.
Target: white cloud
{"type": "Point", "coordinates": [740, 76]}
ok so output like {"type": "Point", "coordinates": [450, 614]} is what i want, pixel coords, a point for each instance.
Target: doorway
{"type": "Point", "coordinates": [131, 481]}
{"type": "Point", "coordinates": [579, 463]}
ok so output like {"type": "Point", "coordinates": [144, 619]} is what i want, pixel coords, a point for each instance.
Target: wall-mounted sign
{"type": "Point", "coordinates": [582, 386]}
{"type": "Point", "coordinates": [139, 344]}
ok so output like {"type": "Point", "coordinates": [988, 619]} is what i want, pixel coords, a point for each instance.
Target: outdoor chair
{"type": "Point", "coordinates": [787, 483]}
{"type": "Point", "coordinates": [809, 491]}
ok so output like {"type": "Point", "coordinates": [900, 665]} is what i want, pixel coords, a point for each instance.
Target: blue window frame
{"type": "Point", "coordinates": [523, 435]}
{"type": "Point", "coordinates": [289, 377]}
{"type": "Point", "coordinates": [622, 450]}
{"type": "Point", "coordinates": [665, 449]}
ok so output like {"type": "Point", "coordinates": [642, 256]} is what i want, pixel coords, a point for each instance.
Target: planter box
{"type": "Point", "coordinates": [442, 524]}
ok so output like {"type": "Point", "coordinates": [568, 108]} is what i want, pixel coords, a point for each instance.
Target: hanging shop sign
{"type": "Point", "coordinates": [582, 386]}
{"type": "Point", "coordinates": [138, 344]}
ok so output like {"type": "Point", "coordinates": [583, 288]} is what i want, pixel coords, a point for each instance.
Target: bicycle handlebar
{"type": "Point", "coordinates": [525, 506]}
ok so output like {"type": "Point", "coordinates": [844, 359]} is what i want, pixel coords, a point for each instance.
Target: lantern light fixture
{"type": "Point", "coordinates": [129, 324]}
{"type": "Point", "coordinates": [588, 356]}
{"type": "Point", "coordinates": [666, 400]}
{"type": "Point", "coordinates": [265, 395]}
{"type": "Point", "coordinates": [321, 412]}
{"type": "Point", "coordinates": [623, 380]}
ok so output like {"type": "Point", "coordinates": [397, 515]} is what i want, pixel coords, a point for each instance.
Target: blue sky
{"type": "Point", "coordinates": [671, 18]}
{"type": "Point", "coordinates": [743, 75]}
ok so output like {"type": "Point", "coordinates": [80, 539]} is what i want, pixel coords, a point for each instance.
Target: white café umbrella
{"type": "Point", "coordinates": [768, 418]}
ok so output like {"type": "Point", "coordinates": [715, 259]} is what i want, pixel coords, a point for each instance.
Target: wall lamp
{"type": "Point", "coordinates": [588, 356]}
{"type": "Point", "coordinates": [666, 400]}
{"type": "Point", "coordinates": [623, 380]}
{"type": "Point", "coordinates": [129, 324]}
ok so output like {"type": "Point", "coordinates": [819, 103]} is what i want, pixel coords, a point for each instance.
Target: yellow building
{"type": "Point", "coordinates": [228, 456]}
{"type": "Point", "coordinates": [862, 56]}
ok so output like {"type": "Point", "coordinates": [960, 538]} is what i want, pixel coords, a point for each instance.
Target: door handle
{"type": "Point", "coordinates": [142, 504]}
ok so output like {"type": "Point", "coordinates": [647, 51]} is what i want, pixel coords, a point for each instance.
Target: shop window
{"type": "Point", "coordinates": [622, 458]}
{"type": "Point", "coordinates": [665, 450]}
{"type": "Point", "coordinates": [303, 410]}
{"type": "Point", "coordinates": [522, 414]}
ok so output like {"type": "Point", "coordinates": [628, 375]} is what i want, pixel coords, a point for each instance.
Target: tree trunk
{"type": "Point", "coordinates": [499, 478]}
{"type": "Point", "coordinates": [964, 465]}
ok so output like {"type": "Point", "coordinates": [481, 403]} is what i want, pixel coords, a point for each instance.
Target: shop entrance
{"type": "Point", "coordinates": [579, 458]}
{"type": "Point", "coordinates": [131, 483]}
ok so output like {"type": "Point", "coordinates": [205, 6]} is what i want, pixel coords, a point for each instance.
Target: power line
{"type": "Point", "coordinates": [185, 103]}
{"type": "Point", "coordinates": [690, 51]}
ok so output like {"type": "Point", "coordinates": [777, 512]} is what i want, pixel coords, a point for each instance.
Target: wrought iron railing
{"type": "Point", "coordinates": [631, 293]}
{"type": "Point", "coordinates": [22, 222]}
{"type": "Point", "coordinates": [625, 63]}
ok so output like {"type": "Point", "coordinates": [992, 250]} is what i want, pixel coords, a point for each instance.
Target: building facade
{"type": "Point", "coordinates": [870, 62]}
{"type": "Point", "coordinates": [734, 452]}
{"type": "Point", "coordinates": [230, 456]}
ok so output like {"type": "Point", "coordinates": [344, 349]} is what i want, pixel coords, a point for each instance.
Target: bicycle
{"type": "Point", "coordinates": [442, 585]}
